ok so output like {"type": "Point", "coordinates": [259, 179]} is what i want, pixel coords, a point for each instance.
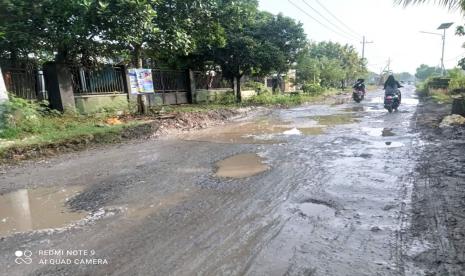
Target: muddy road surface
{"type": "Point", "coordinates": [312, 190]}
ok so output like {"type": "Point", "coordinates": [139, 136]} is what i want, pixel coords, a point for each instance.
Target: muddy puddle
{"type": "Point", "coordinates": [257, 132]}
{"type": "Point", "coordinates": [318, 211]}
{"type": "Point", "coordinates": [378, 131]}
{"type": "Point", "coordinates": [335, 119]}
{"type": "Point", "coordinates": [241, 166]}
{"type": "Point", "coordinates": [158, 203]}
{"type": "Point", "coordinates": [358, 108]}
{"type": "Point", "coordinates": [34, 209]}
{"type": "Point", "coordinates": [387, 144]}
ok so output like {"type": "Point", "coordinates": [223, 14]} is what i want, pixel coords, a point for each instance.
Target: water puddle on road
{"type": "Point", "coordinates": [410, 101]}
{"type": "Point", "coordinates": [387, 132]}
{"type": "Point", "coordinates": [320, 211]}
{"type": "Point", "coordinates": [34, 209]}
{"type": "Point", "coordinates": [141, 211]}
{"type": "Point", "coordinates": [258, 132]}
{"type": "Point", "coordinates": [241, 166]}
{"type": "Point", "coordinates": [358, 108]}
{"type": "Point", "coordinates": [387, 144]}
{"type": "Point", "coordinates": [378, 131]}
{"type": "Point", "coordinates": [335, 119]}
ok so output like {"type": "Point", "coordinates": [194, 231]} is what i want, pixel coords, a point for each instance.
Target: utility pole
{"type": "Point", "coordinates": [443, 68]}
{"type": "Point", "coordinates": [444, 27]}
{"type": "Point", "coordinates": [363, 46]}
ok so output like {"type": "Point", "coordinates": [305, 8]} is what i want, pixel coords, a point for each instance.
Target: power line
{"type": "Point", "coordinates": [319, 22]}
{"type": "Point", "coordinates": [338, 20]}
{"type": "Point", "coordinates": [330, 22]}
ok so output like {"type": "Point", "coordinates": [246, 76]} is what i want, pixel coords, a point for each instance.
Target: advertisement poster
{"type": "Point", "coordinates": [141, 81]}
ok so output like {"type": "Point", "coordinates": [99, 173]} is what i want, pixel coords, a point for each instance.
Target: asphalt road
{"type": "Point", "coordinates": [335, 199]}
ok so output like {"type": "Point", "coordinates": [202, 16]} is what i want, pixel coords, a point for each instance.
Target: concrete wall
{"type": "Point", "coordinates": [216, 95]}
{"type": "Point", "coordinates": [96, 103]}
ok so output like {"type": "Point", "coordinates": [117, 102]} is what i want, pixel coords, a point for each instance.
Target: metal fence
{"type": "Point", "coordinates": [211, 80]}
{"type": "Point", "coordinates": [26, 83]}
{"type": "Point", "coordinates": [172, 84]}
{"type": "Point", "coordinates": [95, 81]}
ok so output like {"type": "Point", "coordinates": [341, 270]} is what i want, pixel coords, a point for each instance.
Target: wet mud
{"type": "Point", "coordinates": [434, 244]}
{"type": "Point", "coordinates": [35, 209]}
{"type": "Point", "coordinates": [312, 190]}
{"type": "Point", "coordinates": [241, 166]}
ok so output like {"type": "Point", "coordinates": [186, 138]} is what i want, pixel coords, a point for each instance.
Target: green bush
{"type": "Point", "coordinates": [277, 99]}
{"type": "Point", "coordinates": [226, 98]}
{"type": "Point", "coordinates": [21, 116]}
{"type": "Point", "coordinates": [258, 87]}
{"type": "Point", "coordinates": [312, 88]}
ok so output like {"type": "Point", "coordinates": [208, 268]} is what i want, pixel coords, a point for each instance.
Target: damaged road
{"type": "Point", "coordinates": [313, 190]}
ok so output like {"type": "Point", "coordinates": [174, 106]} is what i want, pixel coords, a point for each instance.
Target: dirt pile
{"type": "Point", "coordinates": [452, 120]}
{"type": "Point", "coordinates": [187, 121]}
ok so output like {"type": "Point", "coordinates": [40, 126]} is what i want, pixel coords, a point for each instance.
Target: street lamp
{"type": "Point", "coordinates": [444, 27]}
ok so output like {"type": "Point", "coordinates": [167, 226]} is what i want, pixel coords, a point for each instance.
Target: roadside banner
{"type": "Point", "coordinates": [141, 81]}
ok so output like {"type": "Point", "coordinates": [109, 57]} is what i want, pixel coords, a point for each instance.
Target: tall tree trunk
{"type": "Point", "coordinates": [237, 85]}
{"type": "Point", "coordinates": [138, 56]}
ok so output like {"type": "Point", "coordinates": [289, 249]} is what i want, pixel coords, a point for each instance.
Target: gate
{"type": "Point", "coordinates": [171, 85]}
{"type": "Point", "coordinates": [27, 83]}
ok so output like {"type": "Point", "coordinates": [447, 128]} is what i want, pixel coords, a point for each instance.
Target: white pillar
{"type": "Point", "coordinates": [3, 94]}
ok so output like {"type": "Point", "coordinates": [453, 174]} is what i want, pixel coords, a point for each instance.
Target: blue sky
{"type": "Point", "coordinates": [395, 30]}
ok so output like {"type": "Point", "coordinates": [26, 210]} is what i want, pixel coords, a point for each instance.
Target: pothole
{"type": "Point", "coordinates": [240, 133]}
{"type": "Point", "coordinates": [41, 208]}
{"type": "Point", "coordinates": [378, 131]}
{"type": "Point", "coordinates": [241, 166]}
{"type": "Point", "coordinates": [387, 144]}
{"type": "Point", "coordinates": [335, 119]}
{"type": "Point", "coordinates": [387, 132]}
{"type": "Point", "coordinates": [318, 211]}
{"type": "Point", "coordinates": [358, 108]}
{"type": "Point", "coordinates": [257, 132]}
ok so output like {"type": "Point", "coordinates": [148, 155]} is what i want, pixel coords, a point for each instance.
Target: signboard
{"type": "Point", "coordinates": [140, 81]}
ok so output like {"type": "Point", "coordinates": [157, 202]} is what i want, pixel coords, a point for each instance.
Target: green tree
{"type": "Point", "coordinates": [404, 76]}
{"type": "Point", "coordinates": [256, 43]}
{"type": "Point", "coordinates": [330, 63]}
{"type": "Point", "coordinates": [47, 27]}
{"type": "Point", "coordinates": [424, 71]}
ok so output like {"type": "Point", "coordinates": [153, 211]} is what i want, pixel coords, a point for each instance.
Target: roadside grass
{"type": "Point", "coordinates": [439, 97]}
{"type": "Point", "coordinates": [264, 99]}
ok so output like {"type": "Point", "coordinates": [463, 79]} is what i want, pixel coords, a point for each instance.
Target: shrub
{"type": "Point", "coordinates": [312, 88]}
{"type": "Point", "coordinates": [20, 115]}
{"type": "Point", "coordinates": [258, 87]}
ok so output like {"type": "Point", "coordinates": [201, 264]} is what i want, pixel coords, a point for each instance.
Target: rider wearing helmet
{"type": "Point", "coordinates": [360, 85]}
{"type": "Point", "coordinates": [391, 86]}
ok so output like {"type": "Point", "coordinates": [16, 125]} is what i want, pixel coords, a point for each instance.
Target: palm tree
{"type": "Point", "coordinates": [451, 4]}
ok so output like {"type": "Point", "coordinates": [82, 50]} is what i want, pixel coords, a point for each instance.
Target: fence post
{"type": "Point", "coordinates": [40, 84]}
{"type": "Point", "coordinates": [3, 92]}
{"type": "Point", "coordinates": [192, 86]}
{"type": "Point", "coordinates": [59, 86]}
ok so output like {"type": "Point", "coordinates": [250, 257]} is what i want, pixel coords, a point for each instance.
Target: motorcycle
{"type": "Point", "coordinates": [392, 101]}
{"type": "Point", "coordinates": [358, 95]}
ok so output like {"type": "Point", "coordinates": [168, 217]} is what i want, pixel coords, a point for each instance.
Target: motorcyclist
{"type": "Point", "coordinates": [360, 85]}
{"type": "Point", "coordinates": [391, 87]}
